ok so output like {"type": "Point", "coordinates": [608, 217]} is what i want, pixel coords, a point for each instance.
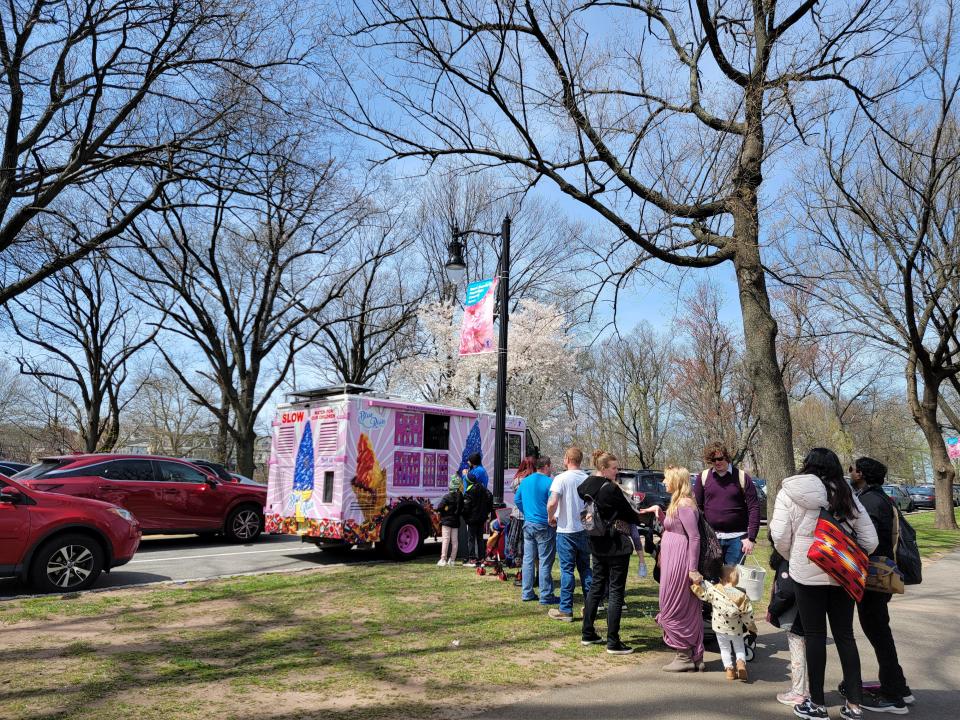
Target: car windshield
{"type": "Point", "coordinates": [922, 491]}
{"type": "Point", "coordinates": [890, 489]}
{"type": "Point", "coordinates": [40, 469]}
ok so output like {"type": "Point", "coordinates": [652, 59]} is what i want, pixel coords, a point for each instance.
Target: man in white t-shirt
{"type": "Point", "coordinates": [573, 546]}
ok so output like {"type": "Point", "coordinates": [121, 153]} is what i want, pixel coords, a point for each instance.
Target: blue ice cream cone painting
{"type": "Point", "coordinates": [473, 445]}
{"type": "Point", "coordinates": [303, 475]}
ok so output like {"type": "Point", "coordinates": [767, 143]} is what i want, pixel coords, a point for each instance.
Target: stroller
{"type": "Point", "coordinates": [495, 560]}
{"type": "Point", "coordinates": [709, 636]}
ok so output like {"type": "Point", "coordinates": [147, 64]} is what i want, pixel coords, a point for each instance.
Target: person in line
{"type": "Point", "coordinates": [728, 500]}
{"type": "Point", "coordinates": [515, 532]}
{"type": "Point", "coordinates": [450, 508]}
{"type": "Point", "coordinates": [477, 506]}
{"type": "Point", "coordinates": [573, 544]}
{"type": "Point", "coordinates": [476, 471]}
{"type": "Point", "coordinates": [539, 537]}
{"type": "Point", "coordinates": [681, 612]}
{"type": "Point", "coordinates": [868, 476]}
{"type": "Point", "coordinates": [821, 486]}
{"type": "Point", "coordinates": [610, 551]}
{"type": "Point", "coordinates": [782, 613]}
{"type": "Point", "coordinates": [731, 619]}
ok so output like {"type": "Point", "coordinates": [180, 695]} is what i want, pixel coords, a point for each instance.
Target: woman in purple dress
{"type": "Point", "coordinates": [680, 610]}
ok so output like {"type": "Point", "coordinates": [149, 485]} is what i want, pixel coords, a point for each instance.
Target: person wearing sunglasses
{"type": "Point", "coordinates": [728, 500]}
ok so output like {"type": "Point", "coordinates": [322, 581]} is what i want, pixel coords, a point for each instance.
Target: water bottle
{"type": "Point", "coordinates": [641, 569]}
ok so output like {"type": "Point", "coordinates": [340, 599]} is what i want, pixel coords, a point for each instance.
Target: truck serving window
{"type": "Point", "coordinates": [436, 432]}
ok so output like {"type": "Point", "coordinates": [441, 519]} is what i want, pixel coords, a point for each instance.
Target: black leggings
{"type": "Point", "coordinates": [816, 603]}
{"type": "Point", "coordinates": [476, 548]}
{"type": "Point", "coordinates": [609, 581]}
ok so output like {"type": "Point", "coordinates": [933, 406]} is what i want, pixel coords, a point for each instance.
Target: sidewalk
{"type": "Point", "coordinates": [926, 626]}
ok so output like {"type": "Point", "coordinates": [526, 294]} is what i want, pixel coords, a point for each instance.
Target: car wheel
{"type": "Point", "coordinates": [67, 564]}
{"type": "Point", "coordinates": [911, 507]}
{"type": "Point", "coordinates": [244, 524]}
{"type": "Point", "coordinates": [404, 537]}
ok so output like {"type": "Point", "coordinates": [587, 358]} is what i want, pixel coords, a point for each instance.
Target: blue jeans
{"type": "Point", "coordinates": [574, 552]}
{"type": "Point", "coordinates": [539, 540]}
{"type": "Point", "coordinates": [732, 550]}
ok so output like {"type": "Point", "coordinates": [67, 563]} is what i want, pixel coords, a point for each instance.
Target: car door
{"type": "Point", "coordinates": [131, 484]}
{"type": "Point", "coordinates": [14, 533]}
{"type": "Point", "coordinates": [191, 502]}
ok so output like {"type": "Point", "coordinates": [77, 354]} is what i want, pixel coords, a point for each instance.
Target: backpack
{"type": "Point", "coordinates": [740, 474]}
{"type": "Point", "coordinates": [908, 552]}
{"type": "Point", "coordinates": [592, 521]}
{"type": "Point", "coordinates": [711, 554]}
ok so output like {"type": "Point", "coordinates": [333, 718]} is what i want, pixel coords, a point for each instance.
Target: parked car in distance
{"type": "Point", "coordinates": [901, 498]}
{"type": "Point", "coordinates": [58, 543]}
{"type": "Point", "coordinates": [646, 486]}
{"type": "Point", "coordinates": [761, 483]}
{"type": "Point", "coordinates": [11, 467]}
{"type": "Point", "coordinates": [923, 496]}
{"type": "Point", "coordinates": [166, 495]}
{"type": "Point", "coordinates": [223, 473]}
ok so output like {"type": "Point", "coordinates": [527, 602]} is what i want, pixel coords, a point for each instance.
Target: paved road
{"type": "Point", "coordinates": [188, 557]}
{"type": "Point", "coordinates": [925, 627]}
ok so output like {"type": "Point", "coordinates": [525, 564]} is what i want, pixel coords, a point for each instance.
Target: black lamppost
{"type": "Point", "coordinates": [456, 267]}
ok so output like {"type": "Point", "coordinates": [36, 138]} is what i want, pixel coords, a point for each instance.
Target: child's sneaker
{"type": "Point", "coordinates": [442, 563]}
{"type": "Point", "coordinates": [451, 563]}
{"type": "Point", "coordinates": [811, 711]}
{"type": "Point", "coordinates": [790, 698]}
{"type": "Point", "coordinates": [848, 713]}
{"type": "Point", "coordinates": [732, 674]}
{"type": "Point", "coordinates": [741, 671]}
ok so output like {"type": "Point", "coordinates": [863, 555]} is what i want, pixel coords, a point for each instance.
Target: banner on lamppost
{"type": "Point", "coordinates": [476, 333]}
{"type": "Point", "coordinates": [953, 448]}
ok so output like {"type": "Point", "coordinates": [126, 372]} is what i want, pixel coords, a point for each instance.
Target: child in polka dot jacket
{"type": "Point", "coordinates": [732, 619]}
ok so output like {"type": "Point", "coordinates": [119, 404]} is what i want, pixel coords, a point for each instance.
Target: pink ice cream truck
{"type": "Point", "coordinates": [351, 466]}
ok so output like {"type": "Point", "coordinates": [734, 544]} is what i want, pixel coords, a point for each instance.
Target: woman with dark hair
{"type": "Point", "coordinates": [515, 531]}
{"type": "Point", "coordinates": [820, 485]}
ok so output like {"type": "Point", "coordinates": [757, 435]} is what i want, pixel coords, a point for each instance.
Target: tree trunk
{"type": "Point", "coordinates": [246, 444]}
{"type": "Point", "coordinates": [924, 412]}
{"type": "Point", "coordinates": [223, 427]}
{"type": "Point", "coordinates": [760, 334]}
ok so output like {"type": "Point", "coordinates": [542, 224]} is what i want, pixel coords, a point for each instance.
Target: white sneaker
{"type": "Point", "coordinates": [442, 562]}
{"type": "Point", "coordinates": [451, 563]}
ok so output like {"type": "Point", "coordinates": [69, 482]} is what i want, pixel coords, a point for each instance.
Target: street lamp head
{"type": "Point", "coordinates": [456, 266]}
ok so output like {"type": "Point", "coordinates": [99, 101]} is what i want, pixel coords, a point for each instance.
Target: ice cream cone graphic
{"type": "Point", "coordinates": [370, 484]}
{"type": "Point", "coordinates": [303, 475]}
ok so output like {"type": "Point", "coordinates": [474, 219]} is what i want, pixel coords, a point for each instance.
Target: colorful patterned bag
{"type": "Point", "coordinates": [835, 551]}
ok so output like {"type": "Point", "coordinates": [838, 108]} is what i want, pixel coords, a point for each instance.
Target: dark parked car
{"type": "Point", "coordinates": [166, 495]}
{"type": "Point", "coordinates": [900, 497]}
{"type": "Point", "coordinates": [58, 543]}
{"type": "Point", "coordinates": [12, 467]}
{"type": "Point", "coordinates": [645, 485]}
{"type": "Point", "coordinates": [923, 496]}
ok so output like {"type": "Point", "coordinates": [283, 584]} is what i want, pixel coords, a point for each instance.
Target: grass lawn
{"type": "Point", "coordinates": [368, 641]}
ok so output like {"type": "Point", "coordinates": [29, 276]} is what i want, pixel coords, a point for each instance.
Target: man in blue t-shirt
{"type": "Point", "coordinates": [539, 538]}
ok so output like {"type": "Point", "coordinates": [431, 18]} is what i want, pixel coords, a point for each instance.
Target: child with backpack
{"type": "Point", "coordinates": [732, 619]}
{"type": "Point", "coordinates": [450, 508]}
{"type": "Point", "coordinates": [477, 506]}
{"type": "Point", "coordinates": [782, 613]}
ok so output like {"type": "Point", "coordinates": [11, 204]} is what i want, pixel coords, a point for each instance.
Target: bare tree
{"type": "Point", "coordinates": [883, 215]}
{"type": "Point", "coordinates": [641, 367]}
{"type": "Point", "coordinates": [661, 124]}
{"type": "Point", "coordinates": [711, 385]}
{"type": "Point", "coordinates": [107, 103]}
{"type": "Point", "coordinates": [372, 325]}
{"type": "Point", "coordinates": [80, 331]}
{"type": "Point", "coordinates": [168, 416]}
{"type": "Point", "coordinates": [248, 272]}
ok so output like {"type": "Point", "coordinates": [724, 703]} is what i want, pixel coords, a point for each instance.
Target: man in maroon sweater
{"type": "Point", "coordinates": [728, 499]}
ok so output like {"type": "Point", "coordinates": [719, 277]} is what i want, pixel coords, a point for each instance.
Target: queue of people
{"type": "Point", "coordinates": [591, 524]}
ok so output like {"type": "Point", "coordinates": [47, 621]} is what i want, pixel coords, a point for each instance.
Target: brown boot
{"type": "Point", "coordinates": [731, 673]}
{"type": "Point", "coordinates": [680, 663]}
{"type": "Point", "coordinates": [741, 670]}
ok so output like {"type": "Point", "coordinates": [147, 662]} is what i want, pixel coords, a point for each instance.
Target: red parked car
{"type": "Point", "coordinates": [58, 543]}
{"type": "Point", "coordinates": [166, 495]}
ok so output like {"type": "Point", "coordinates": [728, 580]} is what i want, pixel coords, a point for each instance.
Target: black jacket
{"type": "Point", "coordinates": [882, 513]}
{"type": "Point", "coordinates": [783, 600]}
{"type": "Point", "coordinates": [477, 504]}
{"type": "Point", "coordinates": [612, 505]}
{"type": "Point", "coordinates": [450, 508]}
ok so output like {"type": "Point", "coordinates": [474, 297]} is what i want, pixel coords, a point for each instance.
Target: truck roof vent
{"type": "Point", "coordinates": [329, 391]}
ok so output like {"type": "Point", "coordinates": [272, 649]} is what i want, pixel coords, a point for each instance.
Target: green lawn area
{"type": "Point", "coordinates": [368, 641]}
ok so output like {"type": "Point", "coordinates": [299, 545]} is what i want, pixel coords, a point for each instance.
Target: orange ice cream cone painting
{"type": "Point", "coordinates": [370, 484]}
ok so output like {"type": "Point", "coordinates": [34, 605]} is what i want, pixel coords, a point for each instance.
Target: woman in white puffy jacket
{"type": "Point", "coordinates": [820, 484]}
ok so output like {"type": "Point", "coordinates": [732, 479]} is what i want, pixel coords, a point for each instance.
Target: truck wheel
{"type": "Point", "coordinates": [67, 564]}
{"type": "Point", "coordinates": [404, 538]}
{"type": "Point", "coordinates": [244, 524]}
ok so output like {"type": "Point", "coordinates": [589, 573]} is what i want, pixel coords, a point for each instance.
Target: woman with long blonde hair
{"type": "Point", "coordinates": [680, 610]}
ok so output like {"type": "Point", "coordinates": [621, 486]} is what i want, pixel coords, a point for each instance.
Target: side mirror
{"type": "Point", "coordinates": [211, 481]}
{"type": "Point", "coordinates": [10, 496]}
